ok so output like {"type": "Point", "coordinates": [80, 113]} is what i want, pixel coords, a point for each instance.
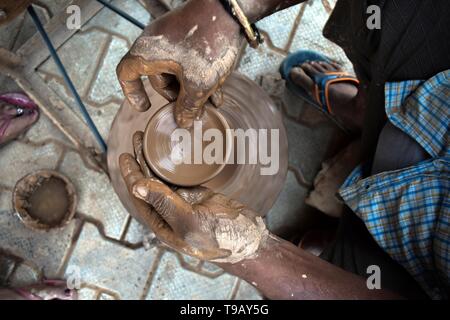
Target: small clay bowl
{"type": "Point", "coordinates": [45, 200]}
{"type": "Point", "coordinates": [159, 148]}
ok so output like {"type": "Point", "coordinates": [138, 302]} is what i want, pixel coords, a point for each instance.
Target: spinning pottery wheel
{"type": "Point", "coordinates": [246, 106]}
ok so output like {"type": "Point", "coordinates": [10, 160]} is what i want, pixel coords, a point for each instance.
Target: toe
{"type": "Point", "coordinates": [336, 66]}
{"type": "Point", "coordinates": [318, 67]}
{"type": "Point", "coordinates": [327, 66]}
{"type": "Point", "coordinates": [300, 78]}
{"type": "Point", "coordinates": [310, 69]}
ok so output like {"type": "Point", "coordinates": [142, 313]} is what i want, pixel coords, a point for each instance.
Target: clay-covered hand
{"type": "Point", "coordinates": [187, 55]}
{"type": "Point", "coordinates": [194, 221]}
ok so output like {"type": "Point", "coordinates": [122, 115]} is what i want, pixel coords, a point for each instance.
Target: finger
{"type": "Point", "coordinates": [217, 98]}
{"type": "Point", "coordinates": [225, 207]}
{"type": "Point", "coordinates": [129, 72]}
{"type": "Point", "coordinates": [167, 203]}
{"type": "Point", "coordinates": [220, 206]}
{"type": "Point", "coordinates": [189, 107]}
{"type": "Point", "coordinates": [138, 145]}
{"type": "Point", "coordinates": [130, 169]}
{"type": "Point", "coordinates": [131, 173]}
{"type": "Point", "coordinates": [216, 254]}
{"type": "Point", "coordinates": [195, 195]}
{"type": "Point", "coordinates": [166, 85]}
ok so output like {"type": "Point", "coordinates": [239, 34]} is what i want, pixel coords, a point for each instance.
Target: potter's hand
{"type": "Point", "coordinates": [194, 221]}
{"type": "Point", "coordinates": [187, 54]}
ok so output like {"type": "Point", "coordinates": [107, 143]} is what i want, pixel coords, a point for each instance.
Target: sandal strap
{"type": "Point", "coordinates": [322, 86]}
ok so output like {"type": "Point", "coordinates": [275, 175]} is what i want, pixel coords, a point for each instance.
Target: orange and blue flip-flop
{"type": "Point", "coordinates": [320, 95]}
{"type": "Point", "coordinates": [322, 84]}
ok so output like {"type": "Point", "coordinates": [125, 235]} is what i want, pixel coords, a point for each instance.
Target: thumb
{"type": "Point", "coordinates": [217, 98]}
{"type": "Point", "coordinates": [169, 205]}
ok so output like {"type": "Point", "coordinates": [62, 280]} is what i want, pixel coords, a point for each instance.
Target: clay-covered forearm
{"type": "Point", "coordinates": [257, 9]}
{"type": "Point", "coordinates": [283, 271]}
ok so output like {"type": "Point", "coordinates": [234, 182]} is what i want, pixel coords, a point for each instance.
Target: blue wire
{"type": "Point", "coordinates": [67, 80]}
{"type": "Point", "coordinates": [122, 14]}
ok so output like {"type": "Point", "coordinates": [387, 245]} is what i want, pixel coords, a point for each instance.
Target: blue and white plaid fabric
{"type": "Point", "coordinates": [407, 211]}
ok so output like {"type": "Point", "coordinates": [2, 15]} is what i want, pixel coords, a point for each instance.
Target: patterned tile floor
{"type": "Point", "coordinates": [112, 255]}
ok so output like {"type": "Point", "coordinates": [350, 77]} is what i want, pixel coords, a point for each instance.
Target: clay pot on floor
{"type": "Point", "coordinates": [44, 200]}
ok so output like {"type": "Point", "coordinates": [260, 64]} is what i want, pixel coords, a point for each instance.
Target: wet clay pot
{"type": "Point", "coordinates": [166, 158]}
{"type": "Point", "coordinates": [44, 200]}
{"type": "Point", "coordinates": [246, 106]}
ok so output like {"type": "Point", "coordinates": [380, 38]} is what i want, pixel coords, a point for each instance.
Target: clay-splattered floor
{"type": "Point", "coordinates": [114, 256]}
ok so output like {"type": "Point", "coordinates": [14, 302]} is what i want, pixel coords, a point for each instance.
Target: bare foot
{"type": "Point", "coordinates": [342, 95]}
{"type": "Point", "coordinates": [17, 114]}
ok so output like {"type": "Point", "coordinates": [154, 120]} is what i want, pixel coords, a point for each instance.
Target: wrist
{"type": "Point", "coordinates": [270, 269]}
{"type": "Point", "coordinates": [266, 248]}
{"type": "Point", "coordinates": [249, 29]}
{"type": "Point", "coordinates": [256, 10]}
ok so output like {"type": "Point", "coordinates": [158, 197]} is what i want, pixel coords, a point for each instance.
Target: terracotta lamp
{"type": "Point", "coordinates": [45, 199]}
{"type": "Point", "coordinates": [246, 106]}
